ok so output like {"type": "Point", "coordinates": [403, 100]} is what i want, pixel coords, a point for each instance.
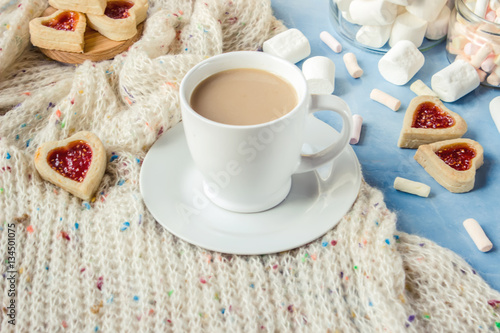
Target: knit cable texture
{"type": "Point", "coordinates": [107, 266]}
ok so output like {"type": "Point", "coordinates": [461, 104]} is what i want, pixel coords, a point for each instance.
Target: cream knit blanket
{"type": "Point", "coordinates": [107, 266]}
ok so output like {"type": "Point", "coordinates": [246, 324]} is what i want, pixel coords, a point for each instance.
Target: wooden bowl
{"type": "Point", "coordinates": [97, 47]}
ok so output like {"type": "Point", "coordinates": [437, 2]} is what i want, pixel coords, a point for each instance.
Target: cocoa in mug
{"type": "Point", "coordinates": [243, 96]}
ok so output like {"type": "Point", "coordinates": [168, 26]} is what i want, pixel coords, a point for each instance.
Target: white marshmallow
{"type": "Point", "coordinates": [438, 28]}
{"type": "Point", "coordinates": [319, 72]}
{"type": "Point", "coordinates": [495, 111]}
{"type": "Point", "coordinates": [330, 41]}
{"type": "Point", "coordinates": [357, 122]}
{"type": "Point", "coordinates": [457, 44]}
{"type": "Point", "coordinates": [385, 99]}
{"type": "Point", "coordinates": [421, 89]}
{"type": "Point", "coordinates": [347, 16]}
{"type": "Point", "coordinates": [494, 4]}
{"type": "Point", "coordinates": [412, 187]}
{"type": "Point", "coordinates": [481, 55]}
{"type": "Point", "coordinates": [470, 48]}
{"type": "Point", "coordinates": [426, 9]}
{"type": "Point", "coordinates": [493, 79]}
{"type": "Point", "coordinates": [454, 81]}
{"type": "Point", "coordinates": [490, 16]}
{"type": "Point", "coordinates": [343, 5]}
{"type": "Point", "coordinates": [399, 2]}
{"type": "Point", "coordinates": [477, 234]}
{"type": "Point", "coordinates": [408, 27]}
{"type": "Point", "coordinates": [496, 59]}
{"type": "Point", "coordinates": [482, 74]}
{"type": "Point", "coordinates": [374, 35]}
{"type": "Point", "coordinates": [480, 8]}
{"type": "Point", "coordinates": [401, 62]}
{"type": "Point", "coordinates": [372, 12]}
{"type": "Point", "coordinates": [488, 64]}
{"type": "Point", "coordinates": [290, 44]}
{"type": "Point", "coordinates": [351, 63]}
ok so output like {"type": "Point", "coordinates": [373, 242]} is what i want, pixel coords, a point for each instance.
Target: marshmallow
{"type": "Point", "coordinates": [482, 74]}
{"type": "Point", "coordinates": [490, 16]}
{"type": "Point", "coordinates": [401, 62]}
{"type": "Point", "coordinates": [408, 27]}
{"type": "Point", "coordinates": [343, 5]}
{"type": "Point", "coordinates": [290, 44]}
{"type": "Point", "coordinates": [488, 64]}
{"type": "Point", "coordinates": [385, 99]}
{"type": "Point", "coordinates": [399, 2]}
{"type": "Point", "coordinates": [421, 89]}
{"type": "Point", "coordinates": [373, 12]}
{"type": "Point", "coordinates": [480, 8]}
{"type": "Point", "coordinates": [357, 122]}
{"type": "Point", "coordinates": [412, 187]}
{"type": "Point", "coordinates": [494, 4]}
{"type": "Point", "coordinates": [477, 234]}
{"type": "Point", "coordinates": [426, 9]}
{"type": "Point", "coordinates": [320, 75]}
{"type": "Point", "coordinates": [351, 63]}
{"type": "Point", "coordinates": [496, 59]}
{"type": "Point", "coordinates": [470, 48]}
{"type": "Point", "coordinates": [495, 111]}
{"type": "Point", "coordinates": [457, 44]}
{"type": "Point", "coordinates": [493, 79]}
{"type": "Point", "coordinates": [330, 41]}
{"type": "Point", "coordinates": [454, 81]}
{"type": "Point", "coordinates": [438, 28]}
{"type": "Point", "coordinates": [347, 16]}
{"type": "Point", "coordinates": [374, 35]}
{"type": "Point", "coordinates": [481, 55]}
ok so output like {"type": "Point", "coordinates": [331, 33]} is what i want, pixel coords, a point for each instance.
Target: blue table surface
{"type": "Point", "coordinates": [438, 217]}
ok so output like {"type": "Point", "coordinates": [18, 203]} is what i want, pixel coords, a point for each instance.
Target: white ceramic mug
{"type": "Point", "coordinates": [248, 168]}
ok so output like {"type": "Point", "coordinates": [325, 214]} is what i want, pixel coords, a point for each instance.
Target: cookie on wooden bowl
{"type": "Point", "coordinates": [120, 19]}
{"type": "Point", "coordinates": [75, 164]}
{"type": "Point", "coordinates": [63, 30]}
{"type": "Point", "coordinates": [96, 7]}
{"type": "Point", "coordinates": [428, 120]}
{"type": "Point", "coordinates": [452, 163]}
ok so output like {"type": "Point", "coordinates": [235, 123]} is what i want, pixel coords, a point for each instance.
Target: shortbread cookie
{"type": "Point", "coordinates": [120, 19]}
{"type": "Point", "coordinates": [96, 7]}
{"type": "Point", "coordinates": [427, 120]}
{"type": "Point", "coordinates": [63, 30]}
{"type": "Point", "coordinates": [452, 163]}
{"type": "Point", "coordinates": [76, 164]}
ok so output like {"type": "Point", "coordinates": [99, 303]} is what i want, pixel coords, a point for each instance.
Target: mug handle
{"type": "Point", "coordinates": [333, 103]}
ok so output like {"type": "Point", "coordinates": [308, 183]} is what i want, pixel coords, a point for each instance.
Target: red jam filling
{"type": "Point", "coordinates": [118, 9]}
{"type": "Point", "coordinates": [65, 21]}
{"type": "Point", "coordinates": [72, 161]}
{"type": "Point", "coordinates": [458, 156]}
{"type": "Point", "coordinates": [429, 115]}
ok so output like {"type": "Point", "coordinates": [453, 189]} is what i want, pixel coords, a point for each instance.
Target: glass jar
{"type": "Point", "coordinates": [476, 40]}
{"type": "Point", "coordinates": [349, 30]}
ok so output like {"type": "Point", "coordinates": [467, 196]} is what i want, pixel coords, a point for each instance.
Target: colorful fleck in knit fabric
{"type": "Point", "coordinates": [107, 266]}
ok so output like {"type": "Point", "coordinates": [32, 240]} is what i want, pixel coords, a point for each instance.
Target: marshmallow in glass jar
{"type": "Point", "coordinates": [377, 25]}
{"type": "Point", "coordinates": [474, 36]}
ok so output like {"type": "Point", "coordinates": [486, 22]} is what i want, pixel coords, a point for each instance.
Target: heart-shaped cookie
{"type": "Point", "coordinates": [76, 164]}
{"type": "Point", "coordinates": [427, 120]}
{"type": "Point", "coordinates": [120, 19]}
{"type": "Point", "coordinates": [452, 163]}
{"type": "Point", "coordinates": [88, 6]}
{"type": "Point", "coordinates": [63, 30]}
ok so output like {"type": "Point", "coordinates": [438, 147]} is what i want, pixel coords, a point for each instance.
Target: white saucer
{"type": "Point", "coordinates": [172, 190]}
